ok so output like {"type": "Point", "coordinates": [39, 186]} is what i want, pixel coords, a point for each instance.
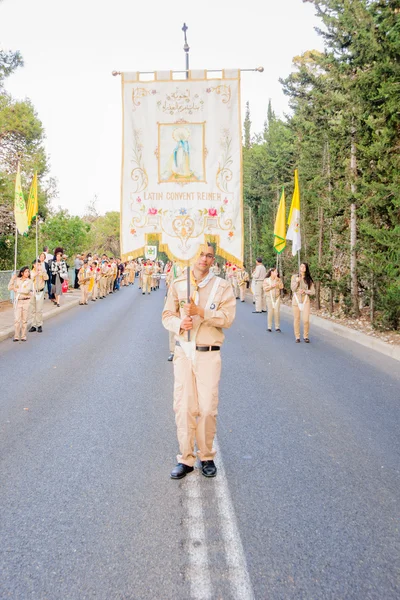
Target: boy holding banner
{"type": "Point", "coordinates": [197, 363]}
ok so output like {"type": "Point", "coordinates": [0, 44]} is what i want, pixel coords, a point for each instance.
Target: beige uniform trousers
{"type": "Point", "coordinates": [242, 291]}
{"type": "Point", "coordinates": [103, 286]}
{"type": "Point", "coordinates": [84, 287]}
{"type": "Point", "coordinates": [274, 312]}
{"type": "Point", "coordinates": [21, 312]}
{"type": "Point", "coordinates": [37, 309]}
{"type": "Point", "coordinates": [146, 285]}
{"type": "Point", "coordinates": [235, 287]}
{"type": "Point", "coordinates": [110, 284]}
{"type": "Point", "coordinates": [261, 301]}
{"type": "Point", "coordinates": [196, 404]}
{"type": "Point", "coordinates": [131, 277]}
{"type": "Point", "coordinates": [306, 319]}
{"type": "Point", "coordinates": [95, 291]}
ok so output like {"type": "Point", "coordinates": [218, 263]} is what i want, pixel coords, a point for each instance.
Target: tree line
{"type": "Point", "coordinates": [343, 135]}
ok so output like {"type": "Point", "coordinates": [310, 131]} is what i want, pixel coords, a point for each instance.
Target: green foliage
{"type": "Point", "coordinates": [69, 232]}
{"type": "Point", "coordinates": [347, 96]}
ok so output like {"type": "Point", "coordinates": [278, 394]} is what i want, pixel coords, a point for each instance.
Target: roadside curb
{"type": "Point", "coordinates": [350, 334]}
{"type": "Point", "coordinates": [53, 312]}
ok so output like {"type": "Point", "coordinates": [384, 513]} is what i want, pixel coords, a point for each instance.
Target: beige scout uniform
{"type": "Point", "coordinates": [131, 272]}
{"type": "Point", "coordinates": [197, 373]}
{"type": "Point", "coordinates": [301, 304]}
{"type": "Point", "coordinates": [273, 300]}
{"type": "Point", "coordinates": [97, 275]}
{"type": "Point", "coordinates": [38, 278]}
{"type": "Point", "coordinates": [84, 276]}
{"type": "Point", "coordinates": [147, 278]}
{"type": "Point", "coordinates": [259, 275]}
{"type": "Point", "coordinates": [103, 279]}
{"type": "Point", "coordinates": [242, 279]}
{"type": "Point", "coordinates": [23, 290]}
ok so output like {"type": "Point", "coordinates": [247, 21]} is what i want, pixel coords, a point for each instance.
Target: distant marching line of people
{"type": "Point", "coordinates": [97, 277]}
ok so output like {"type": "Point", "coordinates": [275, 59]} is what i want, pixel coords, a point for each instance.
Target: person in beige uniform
{"type": "Point", "coordinates": [84, 277]}
{"type": "Point", "coordinates": [22, 286]}
{"type": "Point", "coordinates": [259, 275]}
{"type": "Point", "coordinates": [197, 363]}
{"type": "Point", "coordinates": [273, 285]}
{"type": "Point", "coordinates": [302, 287]}
{"type": "Point", "coordinates": [39, 277]}
{"type": "Point", "coordinates": [96, 283]}
{"type": "Point", "coordinates": [242, 279]}
{"type": "Point", "coordinates": [147, 277]}
{"type": "Point", "coordinates": [103, 277]}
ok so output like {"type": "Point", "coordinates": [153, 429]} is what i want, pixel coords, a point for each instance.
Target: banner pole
{"type": "Point", "coordinates": [186, 49]}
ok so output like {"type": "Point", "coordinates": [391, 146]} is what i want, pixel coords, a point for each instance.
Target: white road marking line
{"type": "Point", "coordinates": [199, 573]}
{"type": "Point", "coordinates": [235, 557]}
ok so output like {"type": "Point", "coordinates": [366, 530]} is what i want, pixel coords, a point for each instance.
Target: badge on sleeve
{"type": "Point", "coordinates": [212, 306]}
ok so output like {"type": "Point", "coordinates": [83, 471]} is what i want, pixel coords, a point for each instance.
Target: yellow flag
{"type": "Point", "coordinates": [21, 218]}
{"type": "Point", "coordinates": [33, 207]}
{"type": "Point", "coordinates": [280, 225]}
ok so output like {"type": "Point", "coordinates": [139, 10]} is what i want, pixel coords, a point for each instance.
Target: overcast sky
{"type": "Point", "coordinates": [70, 49]}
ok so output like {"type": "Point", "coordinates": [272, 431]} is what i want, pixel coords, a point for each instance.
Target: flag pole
{"type": "Point", "coordinates": [16, 245]}
{"type": "Point", "coordinates": [186, 51]}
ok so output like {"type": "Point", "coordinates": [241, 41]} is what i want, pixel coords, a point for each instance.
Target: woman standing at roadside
{"type": "Point", "coordinates": [59, 273]}
{"type": "Point", "coordinates": [302, 287]}
{"type": "Point", "coordinates": [272, 285]}
{"type": "Point", "coordinates": [22, 286]}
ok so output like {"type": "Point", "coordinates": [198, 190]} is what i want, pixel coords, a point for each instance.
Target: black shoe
{"type": "Point", "coordinates": [23, 339]}
{"type": "Point", "coordinates": [264, 311]}
{"type": "Point", "coordinates": [208, 468]}
{"type": "Point", "coordinates": [59, 305]}
{"type": "Point", "coordinates": [143, 293]}
{"type": "Point", "coordinates": [298, 341]}
{"type": "Point", "coordinates": [307, 341]}
{"type": "Point", "coordinates": [256, 312]}
{"type": "Point", "coordinates": [278, 330]}
{"type": "Point", "coordinates": [269, 329]}
{"type": "Point", "coordinates": [39, 329]}
{"type": "Point", "coordinates": [170, 357]}
{"type": "Point", "coordinates": [242, 301]}
{"type": "Point", "coordinates": [180, 471]}
{"type": "Point", "coordinates": [32, 329]}
{"type": "Point", "coordinates": [15, 340]}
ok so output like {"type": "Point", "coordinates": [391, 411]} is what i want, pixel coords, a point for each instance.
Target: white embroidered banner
{"type": "Point", "coordinates": [182, 164]}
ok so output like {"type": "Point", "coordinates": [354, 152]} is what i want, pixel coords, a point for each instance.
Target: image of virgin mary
{"type": "Point", "coordinates": [178, 168]}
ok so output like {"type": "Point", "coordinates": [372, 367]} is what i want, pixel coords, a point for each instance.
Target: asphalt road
{"type": "Point", "coordinates": [306, 504]}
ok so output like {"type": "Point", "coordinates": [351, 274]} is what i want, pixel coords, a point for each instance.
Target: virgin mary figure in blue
{"type": "Point", "coordinates": [178, 168]}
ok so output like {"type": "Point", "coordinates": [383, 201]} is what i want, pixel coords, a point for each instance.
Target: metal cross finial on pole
{"type": "Point", "coordinates": [186, 49]}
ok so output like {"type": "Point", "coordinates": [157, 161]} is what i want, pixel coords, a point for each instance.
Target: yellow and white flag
{"type": "Point", "coordinates": [280, 225]}
{"type": "Point", "coordinates": [33, 207]}
{"type": "Point", "coordinates": [182, 164]}
{"type": "Point", "coordinates": [293, 232]}
{"type": "Point", "coordinates": [21, 218]}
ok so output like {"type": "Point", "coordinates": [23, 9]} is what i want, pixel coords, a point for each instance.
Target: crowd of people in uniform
{"type": "Point", "coordinates": [99, 276]}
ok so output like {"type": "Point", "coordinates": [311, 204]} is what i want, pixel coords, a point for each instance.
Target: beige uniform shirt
{"type": "Point", "coordinates": [267, 285]}
{"type": "Point", "coordinates": [39, 278]}
{"type": "Point", "coordinates": [218, 316]}
{"type": "Point", "coordinates": [301, 285]}
{"type": "Point", "coordinates": [259, 273]}
{"type": "Point", "coordinates": [22, 287]}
